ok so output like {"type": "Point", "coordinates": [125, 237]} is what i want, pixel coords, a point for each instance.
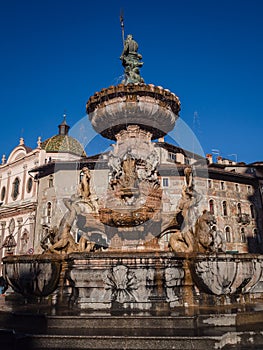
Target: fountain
{"type": "Point", "coordinates": [122, 263]}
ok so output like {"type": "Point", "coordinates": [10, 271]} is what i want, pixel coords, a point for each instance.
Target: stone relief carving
{"type": "Point", "coordinates": [134, 193]}
{"type": "Point", "coordinates": [223, 277]}
{"type": "Point", "coordinates": [37, 277]}
{"type": "Point", "coordinates": [122, 283]}
{"type": "Point", "coordinates": [173, 281]}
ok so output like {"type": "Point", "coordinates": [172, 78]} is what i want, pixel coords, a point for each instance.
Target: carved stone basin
{"type": "Point", "coordinates": [118, 218]}
{"type": "Point", "coordinates": [151, 107]}
{"type": "Point", "coordinates": [226, 274]}
{"type": "Point", "coordinates": [32, 275]}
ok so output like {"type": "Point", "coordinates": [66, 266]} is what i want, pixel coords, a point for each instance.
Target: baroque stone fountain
{"type": "Point", "coordinates": [130, 265]}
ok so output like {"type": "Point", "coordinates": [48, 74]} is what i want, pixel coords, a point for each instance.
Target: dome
{"type": "Point", "coordinates": [63, 142]}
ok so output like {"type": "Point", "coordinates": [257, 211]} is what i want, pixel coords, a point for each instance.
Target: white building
{"type": "Point", "coordinates": [19, 190]}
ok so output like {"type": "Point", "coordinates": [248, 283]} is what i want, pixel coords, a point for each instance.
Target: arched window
{"type": "Point", "coordinates": [24, 241]}
{"type": "Point", "coordinates": [15, 190]}
{"type": "Point", "coordinates": [211, 206]}
{"type": "Point", "coordinates": [49, 209]}
{"type": "Point", "coordinates": [252, 211]}
{"type": "Point", "coordinates": [228, 234]}
{"type": "Point", "coordinates": [49, 212]}
{"type": "Point", "coordinates": [3, 191]}
{"type": "Point", "coordinates": [239, 211]}
{"type": "Point", "coordinates": [29, 185]}
{"type": "Point", "coordinates": [243, 235]}
{"type": "Point", "coordinates": [224, 207]}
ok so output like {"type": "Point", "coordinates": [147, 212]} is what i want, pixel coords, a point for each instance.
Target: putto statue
{"type": "Point", "coordinates": [131, 61]}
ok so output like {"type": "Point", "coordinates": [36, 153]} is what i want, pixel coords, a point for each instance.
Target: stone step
{"type": "Point", "coordinates": [70, 342]}
{"type": "Point", "coordinates": [229, 341]}
{"type": "Point", "coordinates": [121, 322]}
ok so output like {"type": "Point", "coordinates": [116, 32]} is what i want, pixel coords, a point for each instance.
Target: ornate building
{"type": "Point", "coordinates": [19, 190]}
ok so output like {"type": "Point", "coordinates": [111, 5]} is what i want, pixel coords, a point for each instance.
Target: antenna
{"type": "Point", "coordinates": [234, 155]}
{"type": "Point", "coordinates": [122, 25]}
{"type": "Point", "coordinates": [216, 152]}
{"type": "Point", "coordinates": [194, 132]}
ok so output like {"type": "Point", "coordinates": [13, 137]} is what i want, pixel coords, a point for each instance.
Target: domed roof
{"type": "Point", "coordinates": [63, 142]}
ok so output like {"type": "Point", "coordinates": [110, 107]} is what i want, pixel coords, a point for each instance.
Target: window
{"type": "Point", "coordinates": [257, 236]}
{"type": "Point", "coordinates": [222, 185]}
{"type": "Point", "coordinates": [24, 241]}
{"type": "Point", "coordinates": [15, 190]}
{"type": "Point", "coordinates": [211, 206]}
{"type": "Point", "coordinates": [49, 209]}
{"type": "Point", "coordinates": [237, 187]}
{"type": "Point", "coordinates": [209, 184]}
{"type": "Point", "coordinates": [50, 181]}
{"type": "Point", "coordinates": [29, 185]}
{"type": "Point", "coordinates": [224, 207]}
{"type": "Point", "coordinates": [3, 191]}
{"type": "Point", "coordinates": [228, 234]}
{"type": "Point", "coordinates": [165, 182]}
{"type": "Point", "coordinates": [172, 156]}
{"type": "Point", "coordinates": [249, 189]}
{"type": "Point", "coordinates": [243, 235]}
{"type": "Point", "coordinates": [239, 211]}
{"type": "Point", "coordinates": [252, 211]}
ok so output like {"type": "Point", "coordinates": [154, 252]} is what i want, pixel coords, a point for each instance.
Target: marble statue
{"type": "Point", "coordinates": [60, 240]}
{"type": "Point", "coordinates": [189, 231]}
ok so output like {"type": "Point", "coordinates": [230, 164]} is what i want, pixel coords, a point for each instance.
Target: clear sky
{"type": "Point", "coordinates": [56, 53]}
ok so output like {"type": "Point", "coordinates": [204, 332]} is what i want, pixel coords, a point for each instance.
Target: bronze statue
{"type": "Point", "coordinates": [131, 61]}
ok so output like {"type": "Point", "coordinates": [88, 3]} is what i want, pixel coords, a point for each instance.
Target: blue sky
{"type": "Point", "coordinates": [55, 54]}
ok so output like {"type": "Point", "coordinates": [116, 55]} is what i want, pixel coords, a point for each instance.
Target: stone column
{"type": "Point", "coordinates": [24, 182]}
{"type": "Point", "coordinates": [8, 186]}
{"type": "Point", "coordinates": [31, 232]}
{"type": "Point", "coordinates": [19, 224]}
{"type": "Point", "coordinates": [3, 225]}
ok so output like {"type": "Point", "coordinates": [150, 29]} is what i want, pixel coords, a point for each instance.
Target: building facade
{"type": "Point", "coordinates": [230, 191]}
{"type": "Point", "coordinates": [19, 190]}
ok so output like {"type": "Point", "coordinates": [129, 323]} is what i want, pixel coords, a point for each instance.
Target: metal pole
{"type": "Point", "coordinates": [122, 26]}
